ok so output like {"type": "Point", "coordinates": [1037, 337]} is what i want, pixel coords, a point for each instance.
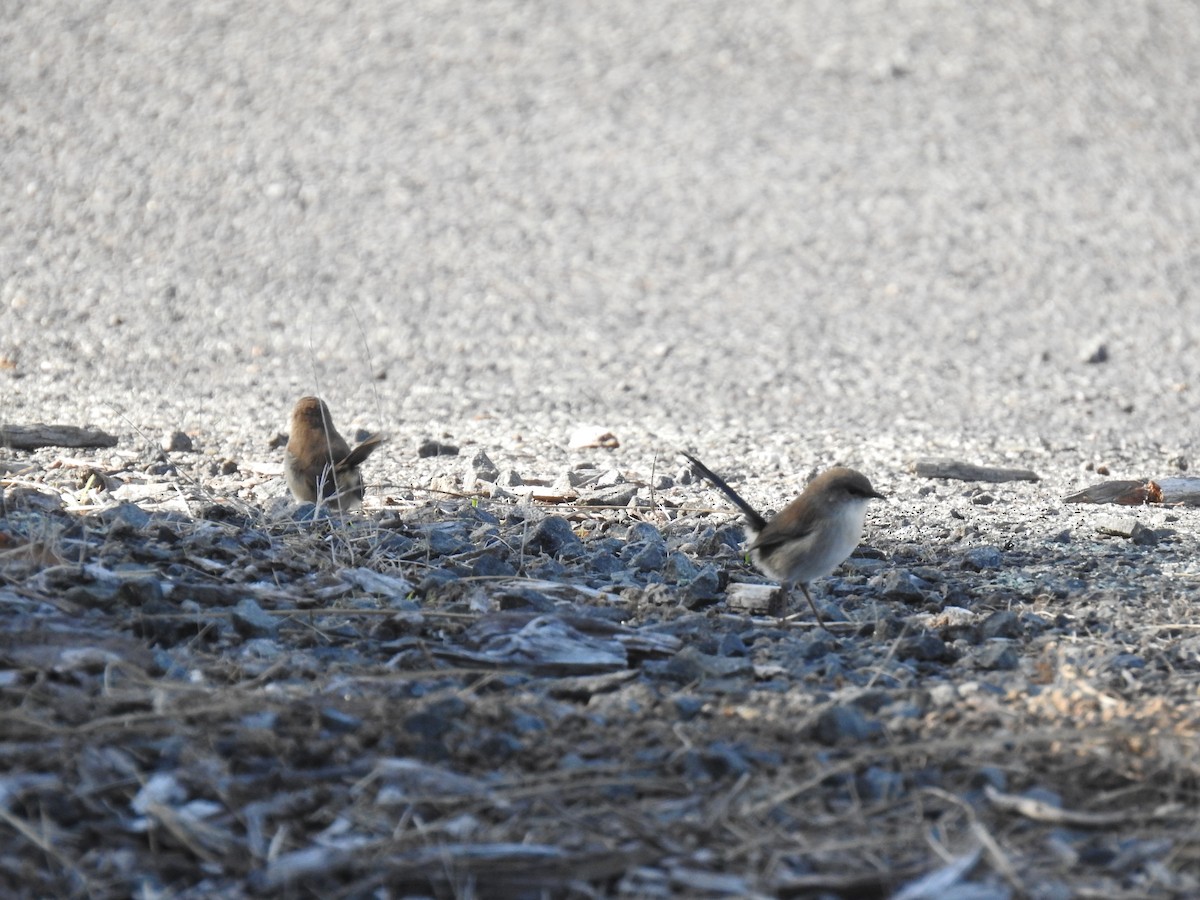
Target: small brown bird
{"type": "Point", "coordinates": [812, 535]}
{"type": "Point", "coordinates": [318, 461]}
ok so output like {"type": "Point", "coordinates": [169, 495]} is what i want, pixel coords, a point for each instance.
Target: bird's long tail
{"type": "Point", "coordinates": [757, 522]}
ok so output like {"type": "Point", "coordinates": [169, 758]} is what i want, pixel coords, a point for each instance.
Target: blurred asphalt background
{"type": "Point", "coordinates": [712, 222]}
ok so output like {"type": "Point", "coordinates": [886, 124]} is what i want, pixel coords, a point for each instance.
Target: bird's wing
{"type": "Point", "coordinates": [356, 456]}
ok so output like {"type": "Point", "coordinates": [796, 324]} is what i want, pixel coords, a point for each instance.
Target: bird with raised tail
{"type": "Point", "coordinates": [319, 463]}
{"type": "Point", "coordinates": [812, 535]}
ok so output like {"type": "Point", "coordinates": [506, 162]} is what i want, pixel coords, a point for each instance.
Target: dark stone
{"type": "Point", "coordinates": [176, 442]}
{"type": "Point", "coordinates": [490, 565]}
{"type": "Point", "coordinates": [553, 536]}
{"type": "Point", "coordinates": [338, 722]}
{"type": "Point", "coordinates": [924, 648]}
{"type": "Point", "coordinates": [125, 513]}
{"type": "Point", "coordinates": [614, 495]}
{"type": "Point", "coordinates": [998, 657]}
{"type": "Point", "coordinates": [702, 590]}
{"type": "Point", "coordinates": [979, 558]}
{"type": "Point", "coordinates": [733, 645]}
{"type": "Point", "coordinates": [899, 585]}
{"type": "Point", "coordinates": [436, 448]}
{"type": "Point", "coordinates": [877, 785]}
{"type": "Point", "coordinates": [250, 621]}
{"type": "Point", "coordinates": [1001, 624]}
{"type": "Point", "coordinates": [525, 598]}
{"type": "Point", "coordinates": [844, 724]}
{"type": "Point", "coordinates": [483, 468]}
{"type": "Point", "coordinates": [650, 558]}
{"type": "Point", "coordinates": [1127, 661]}
{"type": "Point", "coordinates": [643, 532]}
{"type": "Point", "coordinates": [688, 707]}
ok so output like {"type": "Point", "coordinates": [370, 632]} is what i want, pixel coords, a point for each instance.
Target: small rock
{"type": "Point", "coordinates": [844, 724]}
{"type": "Point", "coordinates": [679, 568]}
{"type": "Point", "coordinates": [489, 565]}
{"type": "Point", "coordinates": [616, 495]}
{"type": "Point", "coordinates": [1095, 354]}
{"type": "Point", "coordinates": [338, 722]}
{"type": "Point", "coordinates": [925, 648]}
{"type": "Point", "coordinates": [592, 436]}
{"type": "Point", "coordinates": [702, 590]}
{"type": "Point", "coordinates": [1179, 462]}
{"type": "Point", "coordinates": [482, 468]}
{"type": "Point", "coordinates": [688, 707]}
{"type": "Point", "coordinates": [997, 657]}
{"type": "Point", "coordinates": [984, 499]}
{"type": "Point", "coordinates": [643, 532]}
{"type": "Point", "coordinates": [899, 585]}
{"type": "Point", "coordinates": [1143, 536]}
{"type": "Point", "coordinates": [436, 448]}
{"type": "Point", "coordinates": [877, 785]}
{"type": "Point", "coordinates": [510, 478]}
{"type": "Point", "coordinates": [689, 664]}
{"type": "Point", "coordinates": [733, 645]}
{"type": "Point", "coordinates": [250, 621]}
{"type": "Point", "coordinates": [554, 537]}
{"type": "Point", "coordinates": [1127, 661]}
{"type": "Point", "coordinates": [1001, 624]}
{"type": "Point", "coordinates": [650, 558]}
{"type": "Point", "coordinates": [176, 442]}
{"type": "Point", "coordinates": [125, 513]}
{"type": "Point", "coordinates": [979, 558]}
{"type": "Point", "coordinates": [1127, 527]}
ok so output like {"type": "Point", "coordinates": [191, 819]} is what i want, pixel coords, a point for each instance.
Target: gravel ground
{"type": "Point", "coordinates": [779, 236]}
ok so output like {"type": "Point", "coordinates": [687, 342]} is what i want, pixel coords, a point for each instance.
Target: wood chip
{"type": "Point", "coordinates": [750, 598]}
{"type": "Point", "coordinates": [31, 437]}
{"type": "Point", "coordinates": [943, 467]}
{"type": "Point", "coordinates": [1173, 491]}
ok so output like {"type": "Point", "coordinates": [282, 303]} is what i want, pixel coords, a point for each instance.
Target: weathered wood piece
{"type": "Point", "coordinates": [1173, 491]}
{"type": "Point", "coordinates": [944, 467]}
{"type": "Point", "coordinates": [31, 437]}
{"type": "Point", "coordinates": [751, 598]}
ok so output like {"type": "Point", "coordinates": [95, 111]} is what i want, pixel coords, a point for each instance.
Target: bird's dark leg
{"type": "Point", "coordinates": [816, 612]}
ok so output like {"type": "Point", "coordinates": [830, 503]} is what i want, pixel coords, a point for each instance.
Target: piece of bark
{"type": "Point", "coordinates": [31, 437]}
{"type": "Point", "coordinates": [750, 598]}
{"type": "Point", "coordinates": [1168, 491]}
{"type": "Point", "coordinates": [943, 467]}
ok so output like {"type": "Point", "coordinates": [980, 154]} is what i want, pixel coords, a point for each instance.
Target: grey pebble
{"type": "Point", "coordinates": [1127, 661]}
{"type": "Point", "coordinates": [702, 589]}
{"type": "Point", "coordinates": [250, 621]}
{"type": "Point", "coordinates": [651, 557]}
{"type": "Point", "coordinates": [925, 648]}
{"type": "Point", "coordinates": [979, 558]}
{"type": "Point", "coordinates": [436, 448]}
{"type": "Point", "coordinates": [689, 664]}
{"type": "Point", "coordinates": [643, 532]}
{"type": "Point", "coordinates": [899, 585]}
{"type": "Point", "coordinates": [877, 785]}
{"type": "Point", "coordinates": [733, 645]}
{"type": "Point", "coordinates": [844, 724]}
{"type": "Point", "coordinates": [482, 468]}
{"type": "Point", "coordinates": [1001, 624]}
{"type": "Point", "coordinates": [614, 495]}
{"type": "Point", "coordinates": [553, 536]}
{"type": "Point", "coordinates": [997, 656]}
{"type": "Point", "coordinates": [338, 722]}
{"type": "Point", "coordinates": [688, 707]}
{"type": "Point", "coordinates": [125, 513]}
{"type": "Point", "coordinates": [176, 442]}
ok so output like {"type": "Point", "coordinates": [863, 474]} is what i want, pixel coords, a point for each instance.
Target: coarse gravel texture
{"type": "Point", "coordinates": [779, 236]}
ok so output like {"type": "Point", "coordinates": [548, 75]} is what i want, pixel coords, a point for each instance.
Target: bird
{"type": "Point", "coordinates": [319, 463]}
{"type": "Point", "coordinates": [812, 535]}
